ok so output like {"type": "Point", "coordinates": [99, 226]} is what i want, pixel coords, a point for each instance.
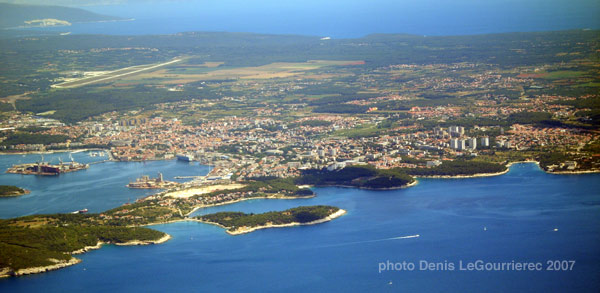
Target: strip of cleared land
{"type": "Point", "coordinates": [128, 71]}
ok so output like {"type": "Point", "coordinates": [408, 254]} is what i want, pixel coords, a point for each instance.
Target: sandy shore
{"type": "Point", "coordinates": [146, 242]}
{"type": "Point", "coordinates": [414, 183]}
{"type": "Point", "coordinates": [244, 230]}
{"type": "Point", "coordinates": [465, 176]}
{"type": "Point", "coordinates": [202, 190]}
{"type": "Point", "coordinates": [522, 162]}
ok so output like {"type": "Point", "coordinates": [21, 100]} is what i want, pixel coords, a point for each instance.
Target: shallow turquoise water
{"type": "Point", "coordinates": [495, 219]}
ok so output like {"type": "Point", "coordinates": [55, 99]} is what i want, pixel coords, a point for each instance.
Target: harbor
{"type": "Point", "coordinates": [145, 182]}
{"type": "Point", "coordinates": [46, 169]}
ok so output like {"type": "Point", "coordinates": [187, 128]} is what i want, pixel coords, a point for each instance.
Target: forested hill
{"type": "Point", "coordinates": [14, 15]}
{"type": "Point", "coordinates": [247, 49]}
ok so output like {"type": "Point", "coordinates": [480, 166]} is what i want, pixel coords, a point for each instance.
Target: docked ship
{"type": "Point", "coordinates": [185, 157]}
{"type": "Point", "coordinates": [46, 169]}
{"type": "Point", "coordinates": [146, 182]}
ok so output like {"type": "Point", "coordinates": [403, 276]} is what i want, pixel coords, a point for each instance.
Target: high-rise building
{"type": "Point", "coordinates": [454, 143]}
{"type": "Point", "coordinates": [456, 130]}
{"type": "Point", "coordinates": [484, 141]}
{"type": "Point", "coordinates": [439, 132]}
{"type": "Point", "coordinates": [472, 143]}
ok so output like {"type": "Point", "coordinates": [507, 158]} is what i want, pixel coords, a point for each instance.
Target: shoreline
{"type": "Point", "coordinates": [15, 195]}
{"type": "Point", "coordinates": [187, 218]}
{"type": "Point", "coordinates": [415, 182]}
{"type": "Point", "coordinates": [8, 272]}
{"type": "Point", "coordinates": [246, 198]}
{"type": "Point", "coordinates": [240, 231]}
{"type": "Point", "coordinates": [52, 151]}
{"type": "Point", "coordinates": [574, 172]}
{"type": "Point", "coordinates": [163, 239]}
{"type": "Point", "coordinates": [477, 175]}
{"type": "Point", "coordinates": [592, 171]}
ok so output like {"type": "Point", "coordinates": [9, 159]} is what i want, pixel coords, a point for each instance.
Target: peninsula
{"type": "Point", "coordinates": [39, 243]}
{"type": "Point", "coordinates": [36, 244]}
{"type": "Point", "coordinates": [237, 223]}
{"type": "Point", "coordinates": [12, 191]}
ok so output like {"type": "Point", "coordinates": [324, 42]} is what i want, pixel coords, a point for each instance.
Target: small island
{"type": "Point", "coordinates": [46, 22]}
{"type": "Point", "coordinates": [237, 223]}
{"type": "Point", "coordinates": [12, 191]}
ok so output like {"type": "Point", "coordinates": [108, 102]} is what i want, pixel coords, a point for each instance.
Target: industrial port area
{"type": "Point", "coordinates": [46, 169]}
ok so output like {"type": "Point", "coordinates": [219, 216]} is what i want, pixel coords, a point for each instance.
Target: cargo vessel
{"type": "Point", "coordinates": [185, 157]}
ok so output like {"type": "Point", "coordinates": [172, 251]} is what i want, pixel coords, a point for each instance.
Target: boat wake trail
{"type": "Point", "coordinates": [376, 240]}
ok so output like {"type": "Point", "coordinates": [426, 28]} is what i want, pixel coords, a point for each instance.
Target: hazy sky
{"type": "Point", "coordinates": [296, 3]}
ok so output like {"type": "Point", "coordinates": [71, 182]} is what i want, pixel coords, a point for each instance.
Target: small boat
{"type": "Point", "coordinates": [80, 211]}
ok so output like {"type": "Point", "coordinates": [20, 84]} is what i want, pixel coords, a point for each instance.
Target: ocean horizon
{"type": "Point", "coordinates": [350, 19]}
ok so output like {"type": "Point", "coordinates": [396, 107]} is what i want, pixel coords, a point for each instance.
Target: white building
{"type": "Point", "coordinates": [454, 143]}
{"type": "Point", "coordinates": [433, 163]}
{"type": "Point", "coordinates": [484, 141]}
{"type": "Point", "coordinates": [456, 130]}
{"type": "Point", "coordinates": [458, 144]}
{"type": "Point", "coordinates": [336, 166]}
{"type": "Point", "coordinates": [472, 142]}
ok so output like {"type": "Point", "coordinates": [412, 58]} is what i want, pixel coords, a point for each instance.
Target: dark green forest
{"type": "Point", "coordinates": [234, 220]}
{"type": "Point", "coordinates": [456, 168]}
{"type": "Point", "coordinates": [357, 176]}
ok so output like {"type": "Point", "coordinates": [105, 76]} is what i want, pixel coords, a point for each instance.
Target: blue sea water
{"type": "Point", "coordinates": [344, 18]}
{"type": "Point", "coordinates": [507, 218]}
{"type": "Point", "coordinates": [99, 188]}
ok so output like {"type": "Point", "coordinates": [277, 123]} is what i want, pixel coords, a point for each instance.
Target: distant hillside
{"type": "Point", "coordinates": [16, 15]}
